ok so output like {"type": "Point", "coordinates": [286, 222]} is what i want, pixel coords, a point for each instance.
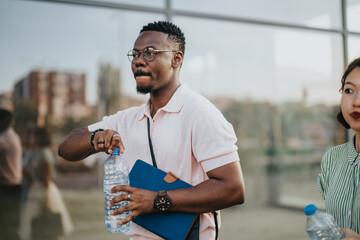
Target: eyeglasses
{"type": "Point", "coordinates": [149, 54]}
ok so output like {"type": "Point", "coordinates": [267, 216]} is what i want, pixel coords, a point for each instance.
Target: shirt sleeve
{"type": "Point", "coordinates": [108, 122]}
{"type": "Point", "coordinates": [323, 177]}
{"type": "Point", "coordinates": [213, 138]}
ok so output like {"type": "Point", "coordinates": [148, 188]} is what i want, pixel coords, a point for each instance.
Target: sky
{"type": "Point", "coordinates": [222, 58]}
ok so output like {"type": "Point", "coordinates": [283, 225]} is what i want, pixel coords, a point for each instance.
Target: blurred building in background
{"type": "Point", "coordinates": [57, 95]}
{"type": "Point", "coordinates": [6, 101]}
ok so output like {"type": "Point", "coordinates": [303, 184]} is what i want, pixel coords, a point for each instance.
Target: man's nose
{"type": "Point", "coordinates": [139, 61]}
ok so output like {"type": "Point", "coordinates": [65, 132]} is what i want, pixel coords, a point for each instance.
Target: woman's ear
{"type": "Point", "coordinates": [177, 59]}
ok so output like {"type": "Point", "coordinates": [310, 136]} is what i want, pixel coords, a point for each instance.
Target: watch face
{"type": "Point", "coordinates": [162, 203]}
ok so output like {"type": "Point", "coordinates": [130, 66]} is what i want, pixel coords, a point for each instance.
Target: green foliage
{"type": "Point", "coordinates": [109, 86]}
{"type": "Point", "coordinates": [25, 115]}
{"type": "Point", "coordinates": [71, 124]}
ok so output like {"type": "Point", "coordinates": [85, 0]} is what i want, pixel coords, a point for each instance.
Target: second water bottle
{"type": "Point", "coordinates": [321, 225]}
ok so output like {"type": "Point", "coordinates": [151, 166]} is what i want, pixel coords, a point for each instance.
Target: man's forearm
{"type": "Point", "coordinates": [76, 146]}
{"type": "Point", "coordinates": [225, 188]}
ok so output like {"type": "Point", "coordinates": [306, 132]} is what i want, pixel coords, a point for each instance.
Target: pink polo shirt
{"type": "Point", "coordinates": [190, 137]}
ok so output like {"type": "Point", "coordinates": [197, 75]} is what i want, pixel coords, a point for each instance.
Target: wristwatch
{"type": "Point", "coordinates": [162, 202]}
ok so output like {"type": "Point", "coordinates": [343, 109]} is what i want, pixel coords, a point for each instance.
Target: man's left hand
{"type": "Point", "coordinates": [141, 201]}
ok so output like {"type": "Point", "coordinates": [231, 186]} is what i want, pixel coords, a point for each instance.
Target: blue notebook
{"type": "Point", "coordinates": [173, 225]}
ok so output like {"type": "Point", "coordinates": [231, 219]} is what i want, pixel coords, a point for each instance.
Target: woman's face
{"type": "Point", "coordinates": [350, 100]}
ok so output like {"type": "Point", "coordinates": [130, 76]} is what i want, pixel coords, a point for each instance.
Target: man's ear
{"type": "Point", "coordinates": [177, 59]}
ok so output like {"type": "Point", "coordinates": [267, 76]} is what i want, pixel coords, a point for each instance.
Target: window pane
{"type": "Point", "coordinates": [354, 47]}
{"type": "Point", "coordinates": [66, 38]}
{"type": "Point", "coordinates": [60, 44]}
{"type": "Point", "coordinates": [353, 15]}
{"type": "Point", "coordinates": [279, 89]}
{"type": "Point", "coordinates": [321, 13]}
{"type": "Point", "coordinates": [277, 86]}
{"type": "Point", "coordinates": [264, 63]}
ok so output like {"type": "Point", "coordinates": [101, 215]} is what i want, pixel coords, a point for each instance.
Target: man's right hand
{"type": "Point", "coordinates": [107, 141]}
{"type": "Point", "coordinates": [77, 146]}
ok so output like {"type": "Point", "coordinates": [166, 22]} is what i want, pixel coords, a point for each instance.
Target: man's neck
{"type": "Point", "coordinates": [160, 99]}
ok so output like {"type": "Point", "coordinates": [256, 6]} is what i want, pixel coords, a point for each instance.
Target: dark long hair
{"type": "Point", "coordinates": [354, 64]}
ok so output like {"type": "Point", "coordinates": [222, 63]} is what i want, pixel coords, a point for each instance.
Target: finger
{"type": "Point", "coordinates": [119, 198]}
{"type": "Point", "coordinates": [127, 208]}
{"type": "Point", "coordinates": [129, 218]}
{"type": "Point", "coordinates": [116, 142]}
{"type": "Point", "coordinates": [122, 188]}
{"type": "Point", "coordinates": [99, 142]}
{"type": "Point", "coordinates": [100, 145]}
{"type": "Point", "coordinates": [107, 138]}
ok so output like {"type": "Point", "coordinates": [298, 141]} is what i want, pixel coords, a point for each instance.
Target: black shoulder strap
{"type": "Point", "coordinates": [150, 144]}
{"type": "Point", "coordinates": [155, 165]}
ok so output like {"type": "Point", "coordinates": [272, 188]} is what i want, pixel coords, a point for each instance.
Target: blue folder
{"type": "Point", "coordinates": [172, 225]}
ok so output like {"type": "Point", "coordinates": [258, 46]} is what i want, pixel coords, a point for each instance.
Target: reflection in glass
{"type": "Point", "coordinates": [261, 63]}
{"type": "Point", "coordinates": [353, 15]}
{"type": "Point", "coordinates": [279, 89]}
{"type": "Point", "coordinates": [353, 47]}
{"type": "Point", "coordinates": [320, 13]}
{"type": "Point", "coordinates": [277, 86]}
{"type": "Point", "coordinates": [71, 38]}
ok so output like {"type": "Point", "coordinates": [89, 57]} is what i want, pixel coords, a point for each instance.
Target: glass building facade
{"type": "Point", "coordinates": [272, 67]}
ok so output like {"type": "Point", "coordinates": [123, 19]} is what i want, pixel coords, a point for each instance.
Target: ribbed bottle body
{"type": "Point", "coordinates": [321, 225]}
{"type": "Point", "coordinates": [116, 173]}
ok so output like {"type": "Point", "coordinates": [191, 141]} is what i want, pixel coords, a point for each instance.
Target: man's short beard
{"type": "Point", "coordinates": [144, 90]}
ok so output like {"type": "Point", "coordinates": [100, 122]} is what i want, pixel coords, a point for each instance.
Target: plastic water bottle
{"type": "Point", "coordinates": [116, 172]}
{"type": "Point", "coordinates": [321, 225]}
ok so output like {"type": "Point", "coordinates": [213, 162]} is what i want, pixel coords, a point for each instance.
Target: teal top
{"type": "Point", "coordinates": [339, 184]}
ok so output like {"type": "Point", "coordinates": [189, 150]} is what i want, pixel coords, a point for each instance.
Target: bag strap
{"type": "Point", "coordinates": [155, 165]}
{"type": "Point", "coordinates": [150, 144]}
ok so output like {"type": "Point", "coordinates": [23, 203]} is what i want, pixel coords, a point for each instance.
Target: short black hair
{"type": "Point", "coordinates": [354, 64]}
{"type": "Point", "coordinates": [5, 119]}
{"type": "Point", "coordinates": [174, 32]}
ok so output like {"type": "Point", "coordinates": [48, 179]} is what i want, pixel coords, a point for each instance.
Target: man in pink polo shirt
{"type": "Point", "coordinates": [190, 136]}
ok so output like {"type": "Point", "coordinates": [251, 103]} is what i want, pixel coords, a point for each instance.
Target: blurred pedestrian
{"type": "Point", "coordinates": [10, 178]}
{"type": "Point", "coordinates": [29, 146]}
{"type": "Point", "coordinates": [340, 166]}
{"type": "Point", "coordinates": [45, 216]}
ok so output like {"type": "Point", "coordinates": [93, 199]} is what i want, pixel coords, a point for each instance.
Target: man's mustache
{"type": "Point", "coordinates": [141, 73]}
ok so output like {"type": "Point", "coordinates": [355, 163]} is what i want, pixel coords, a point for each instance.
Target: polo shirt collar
{"type": "Point", "coordinates": [174, 105]}
{"type": "Point", "coordinates": [177, 100]}
{"type": "Point", "coordinates": [144, 111]}
{"type": "Point", "coordinates": [353, 155]}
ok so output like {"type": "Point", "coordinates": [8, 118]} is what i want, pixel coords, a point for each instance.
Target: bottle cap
{"type": "Point", "coordinates": [310, 209]}
{"type": "Point", "coordinates": [116, 152]}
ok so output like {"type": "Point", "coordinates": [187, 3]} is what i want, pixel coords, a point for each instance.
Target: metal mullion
{"type": "Point", "coordinates": [169, 12]}
{"type": "Point", "coordinates": [251, 21]}
{"type": "Point", "coordinates": [110, 5]}
{"type": "Point", "coordinates": [345, 32]}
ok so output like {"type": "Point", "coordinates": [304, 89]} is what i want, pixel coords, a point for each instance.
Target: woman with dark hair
{"type": "Point", "coordinates": [339, 180]}
{"type": "Point", "coordinates": [45, 216]}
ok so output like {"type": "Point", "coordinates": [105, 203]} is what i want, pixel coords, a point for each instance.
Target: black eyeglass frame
{"type": "Point", "coordinates": [154, 52]}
